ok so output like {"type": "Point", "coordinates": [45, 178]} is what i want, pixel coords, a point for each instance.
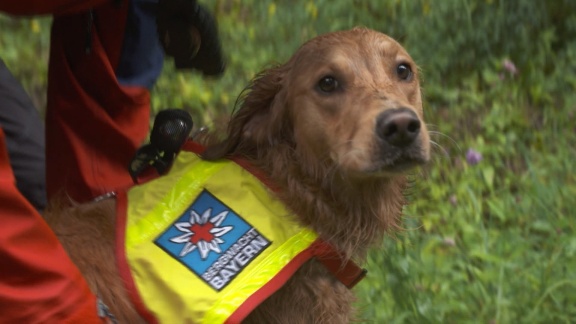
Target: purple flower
{"type": "Point", "coordinates": [449, 241]}
{"type": "Point", "coordinates": [473, 157]}
{"type": "Point", "coordinates": [510, 67]}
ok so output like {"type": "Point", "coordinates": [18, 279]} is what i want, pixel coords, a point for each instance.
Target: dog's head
{"type": "Point", "coordinates": [350, 98]}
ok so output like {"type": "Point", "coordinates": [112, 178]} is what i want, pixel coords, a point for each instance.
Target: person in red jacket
{"type": "Point", "coordinates": [38, 281]}
{"type": "Point", "coordinates": [105, 55]}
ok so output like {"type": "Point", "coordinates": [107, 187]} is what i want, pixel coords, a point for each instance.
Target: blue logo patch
{"type": "Point", "coordinates": [213, 241]}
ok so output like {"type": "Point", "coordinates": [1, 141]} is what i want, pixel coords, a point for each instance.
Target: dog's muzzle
{"type": "Point", "coordinates": [398, 132]}
{"type": "Point", "coordinates": [398, 127]}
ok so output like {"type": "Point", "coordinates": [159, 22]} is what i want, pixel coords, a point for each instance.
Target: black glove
{"type": "Point", "coordinates": [189, 34]}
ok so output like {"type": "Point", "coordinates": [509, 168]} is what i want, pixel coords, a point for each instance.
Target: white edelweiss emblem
{"type": "Point", "coordinates": [202, 232]}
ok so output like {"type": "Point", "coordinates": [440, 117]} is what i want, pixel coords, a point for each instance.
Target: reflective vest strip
{"type": "Point", "coordinates": [122, 262]}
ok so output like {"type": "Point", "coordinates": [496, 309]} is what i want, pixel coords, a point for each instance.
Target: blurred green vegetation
{"type": "Point", "coordinates": [492, 242]}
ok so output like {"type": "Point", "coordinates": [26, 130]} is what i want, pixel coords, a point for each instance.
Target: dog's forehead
{"type": "Point", "coordinates": [359, 44]}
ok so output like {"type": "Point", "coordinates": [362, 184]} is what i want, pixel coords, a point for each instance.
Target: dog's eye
{"type": "Point", "coordinates": [328, 84]}
{"type": "Point", "coordinates": [404, 72]}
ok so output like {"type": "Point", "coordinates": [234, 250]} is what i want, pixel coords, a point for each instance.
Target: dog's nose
{"type": "Point", "coordinates": [398, 127]}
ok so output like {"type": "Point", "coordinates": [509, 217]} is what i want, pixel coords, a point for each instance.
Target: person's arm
{"type": "Point", "coordinates": [38, 281]}
{"type": "Point", "coordinates": [45, 7]}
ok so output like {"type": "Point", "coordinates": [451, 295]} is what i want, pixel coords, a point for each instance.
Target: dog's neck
{"type": "Point", "coordinates": [351, 213]}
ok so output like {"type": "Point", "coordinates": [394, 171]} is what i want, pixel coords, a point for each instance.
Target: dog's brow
{"type": "Point", "coordinates": [389, 48]}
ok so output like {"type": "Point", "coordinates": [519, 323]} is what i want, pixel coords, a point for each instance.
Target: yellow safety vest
{"type": "Point", "coordinates": [208, 242]}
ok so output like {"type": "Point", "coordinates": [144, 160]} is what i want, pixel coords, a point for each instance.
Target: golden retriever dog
{"type": "Point", "coordinates": [336, 129]}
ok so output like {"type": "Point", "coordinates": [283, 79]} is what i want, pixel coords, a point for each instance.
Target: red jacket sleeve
{"type": "Point", "coordinates": [43, 7]}
{"type": "Point", "coordinates": [38, 281]}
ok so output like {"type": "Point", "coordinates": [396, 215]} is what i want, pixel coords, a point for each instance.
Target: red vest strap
{"type": "Point", "coordinates": [346, 271]}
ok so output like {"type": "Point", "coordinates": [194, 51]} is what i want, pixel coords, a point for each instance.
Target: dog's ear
{"type": "Point", "coordinates": [266, 117]}
{"type": "Point", "coordinates": [260, 120]}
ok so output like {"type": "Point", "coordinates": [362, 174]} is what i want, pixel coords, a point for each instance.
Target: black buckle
{"type": "Point", "coordinates": [170, 131]}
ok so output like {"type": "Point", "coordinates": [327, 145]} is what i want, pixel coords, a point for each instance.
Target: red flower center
{"type": "Point", "coordinates": [201, 232]}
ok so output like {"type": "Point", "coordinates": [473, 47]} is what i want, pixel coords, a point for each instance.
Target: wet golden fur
{"type": "Point", "coordinates": [321, 148]}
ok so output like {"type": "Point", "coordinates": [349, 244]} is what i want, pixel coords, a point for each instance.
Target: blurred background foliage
{"type": "Point", "coordinates": [490, 235]}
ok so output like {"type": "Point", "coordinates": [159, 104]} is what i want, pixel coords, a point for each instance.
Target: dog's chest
{"type": "Point", "coordinates": [312, 295]}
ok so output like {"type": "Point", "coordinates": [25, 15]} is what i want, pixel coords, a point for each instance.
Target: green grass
{"type": "Point", "coordinates": [493, 242]}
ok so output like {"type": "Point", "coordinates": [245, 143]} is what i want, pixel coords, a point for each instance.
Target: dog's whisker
{"type": "Point", "coordinates": [442, 135]}
{"type": "Point", "coordinates": [437, 147]}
